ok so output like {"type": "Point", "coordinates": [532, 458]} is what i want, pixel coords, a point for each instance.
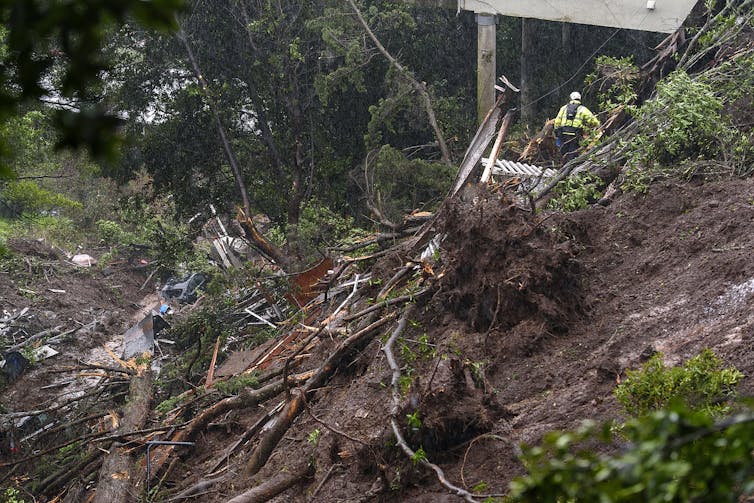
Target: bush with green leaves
{"type": "Point", "coordinates": [682, 125]}
{"type": "Point", "coordinates": [11, 495]}
{"type": "Point", "coordinates": [676, 455]}
{"type": "Point", "coordinates": [109, 232]}
{"type": "Point", "coordinates": [702, 383]}
{"type": "Point", "coordinates": [397, 184]}
{"type": "Point", "coordinates": [318, 229]}
{"type": "Point", "coordinates": [615, 81]}
{"type": "Point", "coordinates": [26, 196]}
{"type": "Point", "coordinates": [576, 192]}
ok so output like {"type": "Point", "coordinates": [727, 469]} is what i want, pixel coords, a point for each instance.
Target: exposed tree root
{"type": "Point", "coordinates": [387, 349]}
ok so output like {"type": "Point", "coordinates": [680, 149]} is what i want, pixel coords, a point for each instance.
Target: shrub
{"type": "Point", "coordinates": [399, 185]}
{"type": "Point", "coordinates": [576, 192]}
{"type": "Point", "coordinates": [319, 228]}
{"type": "Point", "coordinates": [108, 231]}
{"type": "Point", "coordinates": [25, 196]}
{"type": "Point", "coordinates": [615, 81]}
{"type": "Point", "coordinates": [674, 455]}
{"type": "Point", "coordinates": [701, 383]}
{"type": "Point", "coordinates": [683, 124]}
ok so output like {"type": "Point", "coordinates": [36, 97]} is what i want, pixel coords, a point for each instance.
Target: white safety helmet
{"type": "Point", "coordinates": [576, 95]}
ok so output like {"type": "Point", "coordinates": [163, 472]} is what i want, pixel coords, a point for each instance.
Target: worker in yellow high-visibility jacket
{"type": "Point", "coordinates": [570, 123]}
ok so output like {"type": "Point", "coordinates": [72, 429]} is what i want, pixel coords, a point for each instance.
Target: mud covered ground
{"type": "Point", "coordinates": [87, 308]}
{"type": "Point", "coordinates": [533, 321]}
{"type": "Point", "coordinates": [536, 320]}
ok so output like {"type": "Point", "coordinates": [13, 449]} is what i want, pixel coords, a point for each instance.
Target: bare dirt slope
{"type": "Point", "coordinates": [536, 320]}
{"type": "Point", "coordinates": [531, 322]}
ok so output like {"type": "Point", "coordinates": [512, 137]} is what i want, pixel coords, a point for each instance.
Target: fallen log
{"type": "Point", "coordinates": [247, 398]}
{"type": "Point", "coordinates": [276, 485]}
{"type": "Point", "coordinates": [117, 477]}
{"type": "Point", "coordinates": [269, 441]}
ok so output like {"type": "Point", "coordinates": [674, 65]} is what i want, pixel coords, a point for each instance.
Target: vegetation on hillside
{"type": "Point", "coordinates": [333, 142]}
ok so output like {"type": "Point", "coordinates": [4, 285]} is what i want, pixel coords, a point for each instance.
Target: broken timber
{"type": "Point", "coordinates": [118, 476]}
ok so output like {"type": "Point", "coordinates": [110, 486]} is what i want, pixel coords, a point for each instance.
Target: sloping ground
{"type": "Point", "coordinates": [531, 321]}
{"type": "Point", "coordinates": [90, 307]}
{"type": "Point", "coordinates": [535, 320]}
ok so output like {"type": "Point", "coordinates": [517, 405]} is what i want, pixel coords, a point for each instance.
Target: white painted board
{"type": "Point", "coordinates": [666, 16]}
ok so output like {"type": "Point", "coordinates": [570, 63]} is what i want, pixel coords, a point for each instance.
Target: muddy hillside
{"type": "Point", "coordinates": [403, 380]}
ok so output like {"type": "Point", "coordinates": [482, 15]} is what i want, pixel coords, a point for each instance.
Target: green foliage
{"type": "Point", "coordinates": [576, 192]}
{"type": "Point", "coordinates": [413, 420]}
{"type": "Point", "coordinates": [313, 437]}
{"type": "Point", "coordinates": [398, 185]}
{"type": "Point", "coordinates": [320, 228]}
{"type": "Point", "coordinates": [109, 232]}
{"type": "Point", "coordinates": [675, 455]}
{"type": "Point", "coordinates": [419, 455]}
{"type": "Point", "coordinates": [30, 139]}
{"type": "Point", "coordinates": [615, 81]}
{"type": "Point", "coordinates": [64, 39]}
{"type": "Point", "coordinates": [236, 384]}
{"type": "Point", "coordinates": [684, 122]}
{"type": "Point", "coordinates": [700, 383]}
{"type": "Point", "coordinates": [11, 495]}
{"type": "Point", "coordinates": [195, 337]}
{"type": "Point", "coordinates": [25, 196]}
{"type": "Point", "coordinates": [480, 487]}
{"type": "Point", "coordinates": [168, 404]}
{"type": "Point", "coordinates": [4, 250]}
{"type": "Point", "coordinates": [407, 353]}
{"type": "Point", "coordinates": [404, 382]}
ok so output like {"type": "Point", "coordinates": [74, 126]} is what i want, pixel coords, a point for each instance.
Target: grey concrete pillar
{"type": "Point", "coordinates": [486, 71]}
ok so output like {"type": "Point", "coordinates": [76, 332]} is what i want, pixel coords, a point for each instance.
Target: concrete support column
{"type": "Point", "coordinates": [486, 71]}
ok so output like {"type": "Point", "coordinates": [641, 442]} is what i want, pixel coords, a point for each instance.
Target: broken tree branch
{"type": "Point", "coordinates": [276, 485]}
{"type": "Point", "coordinates": [419, 87]}
{"type": "Point", "coordinates": [247, 398]}
{"type": "Point", "coordinates": [269, 441]}
{"type": "Point", "coordinates": [386, 303]}
{"type": "Point", "coordinates": [379, 239]}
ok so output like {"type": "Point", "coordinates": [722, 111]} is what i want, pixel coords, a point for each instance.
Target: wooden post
{"type": "Point", "coordinates": [486, 71]}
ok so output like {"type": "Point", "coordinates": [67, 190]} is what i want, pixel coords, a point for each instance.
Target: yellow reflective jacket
{"type": "Point", "coordinates": [583, 117]}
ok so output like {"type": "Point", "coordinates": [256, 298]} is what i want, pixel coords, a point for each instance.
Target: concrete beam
{"type": "Point", "coordinates": [654, 15]}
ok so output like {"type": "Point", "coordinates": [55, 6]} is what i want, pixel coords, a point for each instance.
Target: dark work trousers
{"type": "Point", "coordinates": [569, 147]}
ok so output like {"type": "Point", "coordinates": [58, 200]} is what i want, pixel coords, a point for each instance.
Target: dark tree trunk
{"type": "Point", "coordinates": [527, 110]}
{"type": "Point", "coordinates": [117, 478]}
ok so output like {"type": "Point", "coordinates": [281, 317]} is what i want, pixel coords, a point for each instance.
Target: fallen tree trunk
{"type": "Point", "coordinates": [247, 398]}
{"type": "Point", "coordinates": [117, 477]}
{"type": "Point", "coordinates": [276, 485]}
{"type": "Point", "coordinates": [269, 441]}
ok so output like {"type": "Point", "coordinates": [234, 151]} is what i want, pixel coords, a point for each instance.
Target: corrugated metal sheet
{"type": "Point", "coordinates": [513, 168]}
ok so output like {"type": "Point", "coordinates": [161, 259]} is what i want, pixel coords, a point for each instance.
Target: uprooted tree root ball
{"type": "Point", "coordinates": [506, 269]}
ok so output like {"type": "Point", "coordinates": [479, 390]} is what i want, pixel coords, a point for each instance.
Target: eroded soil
{"type": "Point", "coordinates": [535, 320]}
